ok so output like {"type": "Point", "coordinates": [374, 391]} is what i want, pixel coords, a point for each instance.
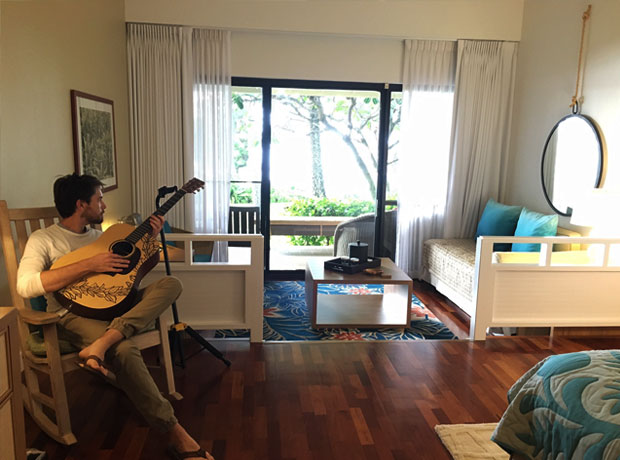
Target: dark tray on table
{"type": "Point", "coordinates": [344, 265]}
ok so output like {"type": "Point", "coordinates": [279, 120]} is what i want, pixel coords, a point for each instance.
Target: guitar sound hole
{"type": "Point", "coordinates": [122, 248]}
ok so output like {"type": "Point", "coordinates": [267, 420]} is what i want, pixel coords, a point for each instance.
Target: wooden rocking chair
{"type": "Point", "coordinates": [21, 222]}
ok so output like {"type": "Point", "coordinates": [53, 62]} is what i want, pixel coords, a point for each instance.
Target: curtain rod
{"type": "Point", "coordinates": [383, 37]}
{"type": "Point", "coordinates": [175, 25]}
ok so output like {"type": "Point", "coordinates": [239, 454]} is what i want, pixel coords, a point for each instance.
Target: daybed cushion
{"type": "Point", "coordinates": [498, 220]}
{"type": "Point", "coordinates": [452, 260]}
{"type": "Point", "coordinates": [534, 224]}
{"type": "Point", "coordinates": [532, 258]}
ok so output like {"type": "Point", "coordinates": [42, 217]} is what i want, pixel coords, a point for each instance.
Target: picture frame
{"type": "Point", "coordinates": [94, 138]}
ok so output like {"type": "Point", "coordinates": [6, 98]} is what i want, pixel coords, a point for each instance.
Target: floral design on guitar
{"type": "Point", "coordinates": [85, 287]}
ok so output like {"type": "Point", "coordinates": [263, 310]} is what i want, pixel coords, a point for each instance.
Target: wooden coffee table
{"type": "Point", "coordinates": [390, 309]}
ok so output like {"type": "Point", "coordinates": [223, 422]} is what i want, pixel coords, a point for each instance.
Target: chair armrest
{"type": "Point", "coordinates": [38, 318]}
{"type": "Point", "coordinates": [343, 237]}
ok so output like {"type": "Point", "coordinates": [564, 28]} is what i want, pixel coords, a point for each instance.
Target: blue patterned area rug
{"type": "Point", "coordinates": [286, 317]}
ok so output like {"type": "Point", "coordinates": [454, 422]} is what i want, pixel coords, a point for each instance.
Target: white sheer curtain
{"type": "Point", "coordinates": [212, 104]}
{"type": "Point", "coordinates": [485, 79]}
{"type": "Point", "coordinates": [180, 112]}
{"type": "Point", "coordinates": [426, 119]}
{"type": "Point", "coordinates": [155, 107]}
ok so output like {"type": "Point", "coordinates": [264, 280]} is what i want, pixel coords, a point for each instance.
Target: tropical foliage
{"type": "Point", "coordinates": [324, 207]}
{"type": "Point", "coordinates": [354, 119]}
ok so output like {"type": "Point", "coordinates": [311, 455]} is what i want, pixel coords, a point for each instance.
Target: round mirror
{"type": "Point", "coordinates": [572, 162]}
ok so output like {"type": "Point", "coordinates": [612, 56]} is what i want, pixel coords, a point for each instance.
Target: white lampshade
{"type": "Point", "coordinates": [598, 208]}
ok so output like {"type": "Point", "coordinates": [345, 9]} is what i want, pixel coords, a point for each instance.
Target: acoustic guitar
{"type": "Point", "coordinates": [105, 296]}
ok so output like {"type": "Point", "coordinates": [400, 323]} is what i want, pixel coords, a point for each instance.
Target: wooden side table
{"type": "Point", "coordinates": [390, 309]}
{"type": "Point", "coordinates": [12, 434]}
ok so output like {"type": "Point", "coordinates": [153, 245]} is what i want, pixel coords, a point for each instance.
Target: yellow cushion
{"type": "Point", "coordinates": [532, 258]}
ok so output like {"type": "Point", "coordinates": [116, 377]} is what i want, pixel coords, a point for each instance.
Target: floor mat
{"type": "Point", "coordinates": [286, 317]}
{"type": "Point", "coordinates": [471, 441]}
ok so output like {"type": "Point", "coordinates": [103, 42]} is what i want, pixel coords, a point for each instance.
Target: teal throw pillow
{"type": "Point", "coordinates": [534, 224]}
{"type": "Point", "coordinates": [498, 220]}
{"type": "Point", "coordinates": [38, 303]}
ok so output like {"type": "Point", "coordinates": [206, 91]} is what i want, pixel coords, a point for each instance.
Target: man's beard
{"type": "Point", "coordinates": [94, 219]}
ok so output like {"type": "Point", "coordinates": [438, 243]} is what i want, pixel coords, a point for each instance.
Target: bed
{"type": "Point", "coordinates": [566, 407]}
{"type": "Point", "coordinates": [546, 289]}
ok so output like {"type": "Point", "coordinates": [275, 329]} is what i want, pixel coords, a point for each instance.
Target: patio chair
{"type": "Point", "coordinates": [51, 356]}
{"type": "Point", "coordinates": [243, 219]}
{"type": "Point", "coordinates": [362, 228]}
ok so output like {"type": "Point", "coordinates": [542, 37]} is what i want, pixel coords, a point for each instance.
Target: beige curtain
{"type": "Point", "coordinates": [155, 108]}
{"type": "Point", "coordinates": [181, 122]}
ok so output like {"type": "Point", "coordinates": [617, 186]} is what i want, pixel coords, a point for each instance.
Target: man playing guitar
{"type": "Point", "coordinates": [105, 347]}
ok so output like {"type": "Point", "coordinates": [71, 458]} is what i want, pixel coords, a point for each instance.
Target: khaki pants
{"type": "Point", "coordinates": [124, 358]}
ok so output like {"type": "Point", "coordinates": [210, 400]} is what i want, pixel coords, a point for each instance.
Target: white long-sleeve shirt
{"type": "Point", "coordinates": [44, 247]}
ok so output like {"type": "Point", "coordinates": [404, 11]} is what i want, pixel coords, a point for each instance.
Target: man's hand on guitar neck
{"type": "Point", "coordinates": [156, 222]}
{"type": "Point", "coordinates": [104, 262]}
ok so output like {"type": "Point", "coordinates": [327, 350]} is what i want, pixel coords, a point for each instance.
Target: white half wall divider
{"type": "Point", "coordinates": [217, 295]}
{"type": "Point", "coordinates": [546, 289]}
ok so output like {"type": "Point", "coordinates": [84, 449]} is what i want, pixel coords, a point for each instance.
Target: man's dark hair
{"type": "Point", "coordinates": [72, 187]}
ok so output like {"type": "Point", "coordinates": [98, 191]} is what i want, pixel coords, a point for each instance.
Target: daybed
{"type": "Point", "coordinates": [450, 266]}
{"type": "Point", "coordinates": [577, 288]}
{"type": "Point", "coordinates": [546, 289]}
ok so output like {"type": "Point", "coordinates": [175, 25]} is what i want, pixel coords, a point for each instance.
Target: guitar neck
{"type": "Point", "coordinates": [145, 227]}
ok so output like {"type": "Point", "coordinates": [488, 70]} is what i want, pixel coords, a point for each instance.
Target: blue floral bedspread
{"type": "Point", "coordinates": [565, 407]}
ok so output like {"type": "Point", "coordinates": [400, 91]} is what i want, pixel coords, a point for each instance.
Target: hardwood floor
{"type": "Point", "coordinates": [316, 400]}
{"type": "Point", "coordinates": [446, 311]}
{"type": "Point", "coordinates": [313, 400]}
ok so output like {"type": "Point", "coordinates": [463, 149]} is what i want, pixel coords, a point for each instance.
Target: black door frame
{"type": "Point", "coordinates": [385, 91]}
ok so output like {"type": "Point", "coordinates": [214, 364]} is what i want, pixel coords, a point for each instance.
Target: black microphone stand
{"type": "Point", "coordinates": [178, 327]}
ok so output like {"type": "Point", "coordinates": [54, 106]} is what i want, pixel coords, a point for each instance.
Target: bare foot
{"type": "Point", "coordinates": [93, 362]}
{"type": "Point", "coordinates": [181, 441]}
{"type": "Point", "coordinates": [93, 355]}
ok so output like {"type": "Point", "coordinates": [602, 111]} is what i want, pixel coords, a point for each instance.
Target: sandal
{"type": "Point", "coordinates": [174, 453]}
{"type": "Point", "coordinates": [110, 377]}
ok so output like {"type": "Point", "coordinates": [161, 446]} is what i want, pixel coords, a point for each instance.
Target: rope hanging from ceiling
{"type": "Point", "coordinates": [577, 99]}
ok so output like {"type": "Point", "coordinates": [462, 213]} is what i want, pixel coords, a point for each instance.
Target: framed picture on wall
{"type": "Point", "coordinates": [94, 137]}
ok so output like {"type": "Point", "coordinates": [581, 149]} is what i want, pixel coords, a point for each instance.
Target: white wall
{"type": "Point", "coordinates": [342, 40]}
{"type": "Point", "coordinates": [316, 57]}
{"type": "Point", "coordinates": [546, 76]}
{"type": "Point", "coordinates": [47, 48]}
{"type": "Point", "coordinates": [438, 19]}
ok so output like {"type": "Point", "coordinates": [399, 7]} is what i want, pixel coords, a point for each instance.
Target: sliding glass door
{"type": "Point", "coordinates": [323, 150]}
{"type": "Point", "coordinates": [323, 170]}
{"type": "Point", "coordinates": [247, 116]}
